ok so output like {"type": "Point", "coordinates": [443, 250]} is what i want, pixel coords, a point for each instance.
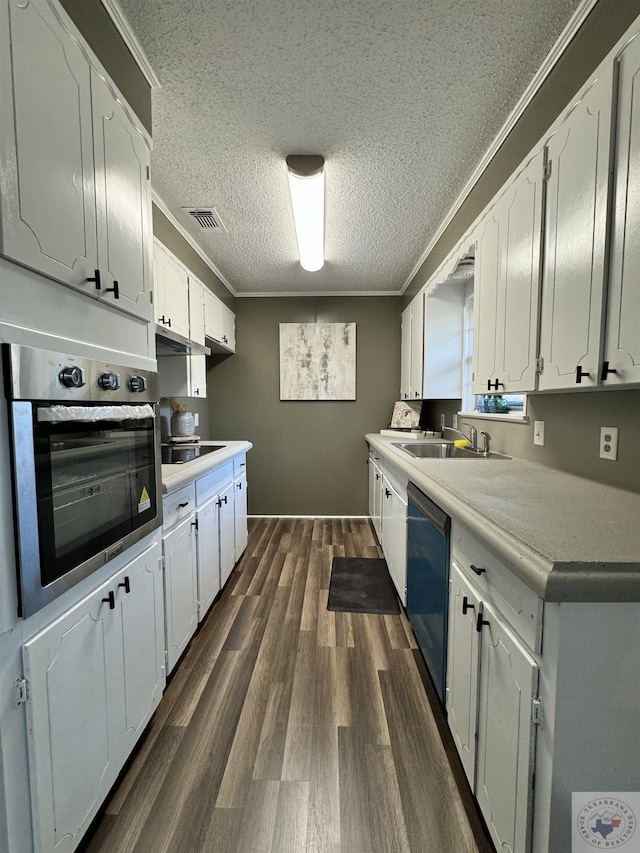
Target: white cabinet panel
{"type": "Point", "coordinates": [240, 516]}
{"type": "Point", "coordinates": [171, 286]}
{"type": "Point", "coordinates": [75, 191]}
{"type": "Point", "coordinates": [442, 342]}
{"type": "Point", "coordinates": [213, 322]}
{"type": "Point", "coordinates": [507, 286]}
{"type": "Point", "coordinates": [412, 350]}
{"type": "Point", "coordinates": [181, 588]}
{"type": "Point", "coordinates": [123, 201]}
{"type": "Point", "coordinates": [504, 780]}
{"type": "Point", "coordinates": [573, 285]}
{"type": "Point", "coordinates": [228, 328]}
{"type": "Point", "coordinates": [463, 666]}
{"type": "Point", "coordinates": [375, 496]}
{"type": "Point", "coordinates": [208, 555]}
{"type": "Point", "coordinates": [196, 310]}
{"type": "Point", "coordinates": [622, 342]}
{"type": "Point", "coordinates": [48, 193]}
{"type": "Point", "coordinates": [394, 535]}
{"type": "Point", "coordinates": [95, 677]}
{"type": "Point", "coordinates": [227, 532]}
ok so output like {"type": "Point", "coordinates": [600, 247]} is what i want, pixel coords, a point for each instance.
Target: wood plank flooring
{"type": "Point", "coordinates": [287, 727]}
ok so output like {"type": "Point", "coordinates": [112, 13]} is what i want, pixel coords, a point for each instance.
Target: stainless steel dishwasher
{"type": "Point", "coordinates": [428, 536]}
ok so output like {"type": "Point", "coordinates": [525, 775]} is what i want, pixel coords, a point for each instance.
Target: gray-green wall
{"type": "Point", "coordinates": [309, 458]}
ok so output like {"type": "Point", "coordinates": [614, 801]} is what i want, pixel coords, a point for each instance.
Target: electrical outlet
{"type": "Point", "coordinates": [609, 443]}
{"type": "Point", "coordinates": [538, 433]}
{"type": "Point", "coordinates": [454, 422]}
{"type": "Point", "coordinates": [443, 422]}
{"type": "Point", "coordinates": [196, 419]}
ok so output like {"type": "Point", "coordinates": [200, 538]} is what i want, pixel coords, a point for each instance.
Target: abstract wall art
{"type": "Point", "coordinates": [317, 361]}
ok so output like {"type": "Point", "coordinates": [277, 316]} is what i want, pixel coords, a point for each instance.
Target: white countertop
{"type": "Point", "coordinates": [566, 537]}
{"type": "Point", "coordinates": [179, 474]}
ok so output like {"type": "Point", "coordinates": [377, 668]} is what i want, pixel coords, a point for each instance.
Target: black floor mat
{"type": "Point", "coordinates": [361, 585]}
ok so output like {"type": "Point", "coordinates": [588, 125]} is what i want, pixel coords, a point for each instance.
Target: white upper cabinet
{"type": "Point", "coordinates": [75, 179]}
{"type": "Point", "coordinates": [171, 287]}
{"type": "Point", "coordinates": [219, 324]}
{"type": "Point", "coordinates": [412, 349]}
{"type": "Point", "coordinates": [622, 342]}
{"type": "Point", "coordinates": [573, 285]}
{"type": "Point", "coordinates": [196, 310]}
{"type": "Point", "coordinates": [507, 286]}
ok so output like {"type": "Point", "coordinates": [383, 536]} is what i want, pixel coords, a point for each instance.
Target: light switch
{"type": "Point", "coordinates": [538, 433]}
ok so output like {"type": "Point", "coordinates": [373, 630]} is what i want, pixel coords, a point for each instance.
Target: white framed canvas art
{"type": "Point", "coordinates": [317, 361]}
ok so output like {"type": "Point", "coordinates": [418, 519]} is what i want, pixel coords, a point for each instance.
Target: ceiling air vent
{"type": "Point", "coordinates": [207, 218]}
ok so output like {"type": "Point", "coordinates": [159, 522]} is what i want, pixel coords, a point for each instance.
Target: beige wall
{"type": "Point", "coordinates": [308, 457]}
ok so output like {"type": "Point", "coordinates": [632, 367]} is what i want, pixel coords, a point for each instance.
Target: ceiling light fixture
{"type": "Point", "coordinates": [306, 186]}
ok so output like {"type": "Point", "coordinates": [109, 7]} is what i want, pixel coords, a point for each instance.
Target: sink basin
{"type": "Point", "coordinates": [443, 450]}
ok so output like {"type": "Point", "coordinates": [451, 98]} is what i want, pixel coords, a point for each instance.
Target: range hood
{"type": "Point", "coordinates": [178, 344]}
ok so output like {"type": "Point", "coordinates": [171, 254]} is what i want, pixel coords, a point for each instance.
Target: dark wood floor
{"type": "Point", "coordinates": [287, 727]}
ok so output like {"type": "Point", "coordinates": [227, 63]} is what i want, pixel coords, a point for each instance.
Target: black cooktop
{"type": "Point", "coordinates": [178, 454]}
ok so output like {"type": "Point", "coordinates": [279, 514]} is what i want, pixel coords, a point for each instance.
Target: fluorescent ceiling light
{"type": "Point", "coordinates": [306, 186]}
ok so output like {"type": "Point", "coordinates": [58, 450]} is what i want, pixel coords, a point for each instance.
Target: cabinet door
{"type": "Point", "coordinates": [442, 335]}
{"type": "Point", "coordinates": [123, 203]}
{"type": "Point", "coordinates": [74, 671]}
{"type": "Point", "coordinates": [463, 664]}
{"type": "Point", "coordinates": [575, 241]}
{"type": "Point", "coordinates": [196, 310]}
{"type": "Point", "coordinates": [228, 328]}
{"type": "Point", "coordinates": [227, 533]}
{"type": "Point", "coordinates": [375, 496]}
{"type": "Point", "coordinates": [208, 553]}
{"type": "Point", "coordinates": [504, 772]}
{"type": "Point", "coordinates": [417, 347]}
{"type": "Point", "coordinates": [405, 354]}
{"type": "Point", "coordinates": [394, 536]}
{"type": "Point", "coordinates": [140, 597]}
{"type": "Point", "coordinates": [519, 295]}
{"type": "Point", "coordinates": [46, 181]}
{"type": "Point", "coordinates": [240, 516]}
{"type": "Point", "coordinates": [180, 588]}
{"type": "Point", "coordinates": [487, 287]}
{"type": "Point", "coordinates": [172, 291]}
{"type": "Point", "coordinates": [213, 317]}
{"type": "Point", "coordinates": [197, 365]}
{"type": "Point", "coordinates": [622, 343]}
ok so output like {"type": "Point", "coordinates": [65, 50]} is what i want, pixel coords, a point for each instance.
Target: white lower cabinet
{"type": "Point", "coordinates": [95, 676]}
{"type": "Point", "coordinates": [375, 494]}
{"type": "Point", "coordinates": [241, 531]}
{"type": "Point", "coordinates": [227, 532]}
{"type": "Point", "coordinates": [180, 574]}
{"type": "Point", "coordinates": [492, 683]}
{"type": "Point", "coordinates": [208, 555]}
{"type": "Point", "coordinates": [394, 533]}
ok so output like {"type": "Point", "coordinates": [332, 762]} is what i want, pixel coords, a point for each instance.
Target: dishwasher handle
{"type": "Point", "coordinates": [432, 512]}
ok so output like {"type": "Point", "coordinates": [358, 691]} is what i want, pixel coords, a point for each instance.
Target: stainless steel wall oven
{"type": "Point", "coordinates": [85, 466]}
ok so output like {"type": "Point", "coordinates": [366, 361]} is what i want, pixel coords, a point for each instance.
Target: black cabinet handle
{"type": "Point", "coordinates": [466, 606]}
{"type": "Point", "coordinates": [183, 504]}
{"type": "Point", "coordinates": [111, 598]}
{"type": "Point", "coordinates": [162, 320]}
{"type": "Point", "coordinates": [387, 493]}
{"type": "Point", "coordinates": [606, 370]}
{"type": "Point", "coordinates": [477, 569]}
{"type": "Point", "coordinates": [580, 374]}
{"type": "Point", "coordinates": [480, 622]}
{"type": "Point", "coordinates": [494, 385]}
{"type": "Point", "coordinates": [195, 524]}
{"type": "Point", "coordinates": [125, 583]}
{"type": "Point", "coordinates": [115, 290]}
{"type": "Point", "coordinates": [240, 486]}
{"type": "Point", "coordinates": [96, 278]}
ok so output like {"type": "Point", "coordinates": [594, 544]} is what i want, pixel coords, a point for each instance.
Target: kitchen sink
{"type": "Point", "coordinates": [443, 450]}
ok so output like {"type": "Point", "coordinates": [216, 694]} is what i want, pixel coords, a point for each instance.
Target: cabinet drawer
{"type": "Point", "coordinates": [178, 505]}
{"type": "Point", "coordinates": [213, 482]}
{"type": "Point", "coordinates": [239, 465]}
{"type": "Point", "coordinates": [499, 587]}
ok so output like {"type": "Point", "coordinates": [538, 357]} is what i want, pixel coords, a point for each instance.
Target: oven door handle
{"type": "Point", "coordinates": [91, 414]}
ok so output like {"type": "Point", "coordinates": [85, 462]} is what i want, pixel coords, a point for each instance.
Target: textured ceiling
{"type": "Point", "coordinates": [402, 98]}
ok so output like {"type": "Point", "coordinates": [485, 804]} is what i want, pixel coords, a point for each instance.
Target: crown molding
{"type": "Point", "coordinates": [573, 25]}
{"type": "Point", "coordinates": [190, 240]}
{"type": "Point", "coordinates": [294, 294]}
{"type": "Point", "coordinates": [112, 7]}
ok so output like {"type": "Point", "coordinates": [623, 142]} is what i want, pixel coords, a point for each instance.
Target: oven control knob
{"type": "Point", "coordinates": [137, 384]}
{"type": "Point", "coordinates": [109, 381]}
{"type": "Point", "coordinates": [72, 377]}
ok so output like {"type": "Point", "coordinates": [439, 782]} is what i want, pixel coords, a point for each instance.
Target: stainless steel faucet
{"type": "Point", "coordinates": [485, 444]}
{"type": "Point", "coordinates": [472, 438]}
